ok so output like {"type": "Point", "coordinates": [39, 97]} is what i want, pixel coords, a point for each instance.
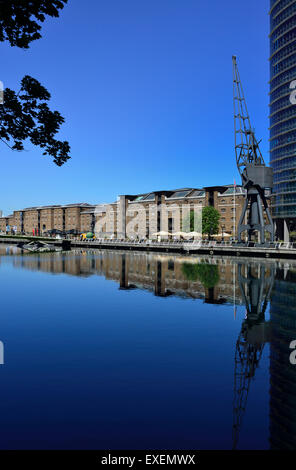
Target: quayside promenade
{"type": "Point", "coordinates": [278, 250]}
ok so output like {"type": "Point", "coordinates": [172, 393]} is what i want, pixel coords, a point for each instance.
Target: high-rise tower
{"type": "Point", "coordinates": [283, 114]}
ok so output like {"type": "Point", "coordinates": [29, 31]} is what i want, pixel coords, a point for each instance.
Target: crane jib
{"type": "Point", "coordinates": [256, 176]}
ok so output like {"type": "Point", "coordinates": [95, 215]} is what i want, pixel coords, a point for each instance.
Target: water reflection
{"type": "Point", "coordinates": [282, 372]}
{"type": "Point", "coordinates": [256, 282]}
{"type": "Point", "coordinates": [264, 289]}
{"type": "Point", "coordinates": [213, 280]}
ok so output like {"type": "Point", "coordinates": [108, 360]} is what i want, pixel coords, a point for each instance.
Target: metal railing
{"type": "Point", "coordinates": [192, 244]}
{"type": "Point", "coordinates": [185, 244]}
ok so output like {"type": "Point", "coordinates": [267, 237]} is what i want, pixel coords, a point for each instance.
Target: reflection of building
{"type": "Point", "coordinates": [282, 372]}
{"type": "Point", "coordinates": [256, 281]}
{"type": "Point", "coordinates": [161, 274]}
{"type": "Point", "coordinates": [247, 282]}
{"type": "Point", "coordinates": [258, 287]}
{"type": "Point", "coordinates": [283, 113]}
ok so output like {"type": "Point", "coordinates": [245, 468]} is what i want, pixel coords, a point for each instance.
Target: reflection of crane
{"type": "Point", "coordinates": [255, 175]}
{"type": "Point", "coordinates": [256, 290]}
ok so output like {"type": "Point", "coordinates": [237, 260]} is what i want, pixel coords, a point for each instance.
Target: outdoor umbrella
{"type": "Point", "coordinates": [161, 234]}
{"type": "Point", "coordinates": [193, 234]}
{"type": "Point", "coordinates": [179, 234]}
{"type": "Point", "coordinates": [225, 234]}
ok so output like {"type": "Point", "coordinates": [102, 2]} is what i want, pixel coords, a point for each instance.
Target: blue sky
{"type": "Point", "coordinates": [146, 90]}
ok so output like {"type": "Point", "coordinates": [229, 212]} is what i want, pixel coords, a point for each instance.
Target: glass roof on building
{"type": "Point", "coordinates": [238, 190]}
{"type": "Point", "coordinates": [197, 193]}
{"type": "Point", "coordinates": [179, 194]}
{"type": "Point", "coordinates": [150, 197]}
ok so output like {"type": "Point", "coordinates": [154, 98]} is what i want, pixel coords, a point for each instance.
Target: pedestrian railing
{"type": "Point", "coordinates": [185, 244]}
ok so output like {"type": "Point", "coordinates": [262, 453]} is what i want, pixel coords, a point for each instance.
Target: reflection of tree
{"type": "Point", "coordinates": [208, 274]}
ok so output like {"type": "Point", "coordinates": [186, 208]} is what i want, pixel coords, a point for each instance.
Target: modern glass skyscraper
{"type": "Point", "coordinates": [283, 113]}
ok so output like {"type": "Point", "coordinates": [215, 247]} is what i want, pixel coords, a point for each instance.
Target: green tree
{"type": "Point", "coordinates": [210, 220]}
{"type": "Point", "coordinates": [26, 115]}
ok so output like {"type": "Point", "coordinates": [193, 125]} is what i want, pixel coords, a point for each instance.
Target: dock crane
{"type": "Point", "coordinates": [255, 175]}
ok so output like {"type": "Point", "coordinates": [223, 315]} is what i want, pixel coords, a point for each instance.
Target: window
{"type": "Point", "coordinates": [171, 265]}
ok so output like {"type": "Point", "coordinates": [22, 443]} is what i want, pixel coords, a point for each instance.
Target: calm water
{"type": "Point", "coordinates": [123, 351]}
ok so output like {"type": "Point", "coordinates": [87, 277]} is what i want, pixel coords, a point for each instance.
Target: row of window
{"type": "Point", "coordinates": [283, 90]}
{"type": "Point", "coordinates": [285, 162]}
{"type": "Point", "coordinates": [284, 187]}
{"type": "Point", "coordinates": [289, 75]}
{"type": "Point", "coordinates": [289, 49]}
{"type": "Point", "coordinates": [285, 175]}
{"type": "Point", "coordinates": [274, 46]}
{"type": "Point", "coordinates": [283, 65]}
{"type": "Point", "coordinates": [289, 24]}
{"type": "Point", "coordinates": [282, 103]}
{"type": "Point", "coordinates": [287, 13]}
{"type": "Point", "coordinates": [282, 115]}
{"type": "Point", "coordinates": [284, 199]}
{"type": "Point", "coordinates": [283, 139]}
{"type": "Point", "coordinates": [224, 210]}
{"type": "Point", "coordinates": [224, 201]}
{"type": "Point", "coordinates": [284, 127]}
{"type": "Point", "coordinates": [284, 211]}
{"type": "Point", "coordinates": [279, 7]}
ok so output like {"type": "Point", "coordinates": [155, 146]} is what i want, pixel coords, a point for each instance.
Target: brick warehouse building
{"type": "Point", "coordinates": [78, 217]}
{"type": "Point", "coordinates": [145, 214]}
{"type": "Point", "coordinates": [150, 213]}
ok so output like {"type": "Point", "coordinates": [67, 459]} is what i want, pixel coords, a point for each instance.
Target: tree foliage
{"type": "Point", "coordinates": [20, 19]}
{"type": "Point", "coordinates": [26, 115]}
{"type": "Point", "coordinates": [210, 220]}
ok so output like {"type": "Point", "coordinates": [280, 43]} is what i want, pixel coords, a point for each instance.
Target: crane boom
{"type": "Point", "coordinates": [255, 175]}
{"type": "Point", "coordinates": [246, 146]}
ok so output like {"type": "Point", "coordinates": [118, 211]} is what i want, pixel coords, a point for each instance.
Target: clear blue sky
{"type": "Point", "coordinates": [146, 90]}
